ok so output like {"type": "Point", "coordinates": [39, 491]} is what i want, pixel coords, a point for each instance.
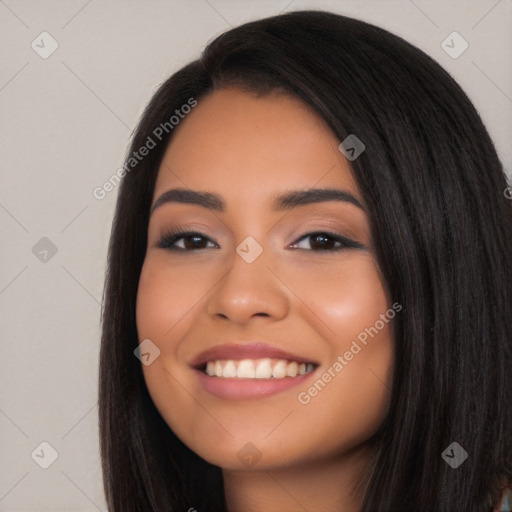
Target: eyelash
{"type": "Point", "coordinates": [170, 238]}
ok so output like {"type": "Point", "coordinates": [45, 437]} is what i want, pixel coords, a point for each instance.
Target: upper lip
{"type": "Point", "coordinates": [245, 351]}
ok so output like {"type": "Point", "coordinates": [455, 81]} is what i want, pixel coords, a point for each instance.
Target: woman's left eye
{"type": "Point", "coordinates": [323, 241]}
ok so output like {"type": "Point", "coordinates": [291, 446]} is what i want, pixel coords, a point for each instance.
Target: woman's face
{"type": "Point", "coordinates": [263, 291]}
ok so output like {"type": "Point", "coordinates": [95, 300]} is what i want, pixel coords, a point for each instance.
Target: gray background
{"type": "Point", "coordinates": [65, 125]}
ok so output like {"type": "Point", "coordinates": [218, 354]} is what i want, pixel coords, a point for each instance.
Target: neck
{"type": "Point", "coordinates": [328, 485]}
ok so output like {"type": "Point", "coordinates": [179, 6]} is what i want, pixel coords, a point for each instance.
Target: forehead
{"type": "Point", "coordinates": [249, 146]}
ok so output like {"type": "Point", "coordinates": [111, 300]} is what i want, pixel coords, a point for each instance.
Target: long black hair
{"type": "Point", "coordinates": [442, 230]}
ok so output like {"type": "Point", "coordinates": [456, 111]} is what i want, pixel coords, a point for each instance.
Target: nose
{"type": "Point", "coordinates": [248, 290]}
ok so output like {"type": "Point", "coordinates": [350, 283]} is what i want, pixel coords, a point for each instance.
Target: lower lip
{"type": "Point", "coordinates": [239, 389]}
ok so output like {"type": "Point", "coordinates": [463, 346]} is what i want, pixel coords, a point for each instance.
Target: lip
{"type": "Point", "coordinates": [241, 389]}
{"type": "Point", "coordinates": [246, 351]}
{"type": "Point", "coordinates": [237, 388]}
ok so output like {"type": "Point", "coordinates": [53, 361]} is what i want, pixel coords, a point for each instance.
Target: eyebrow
{"type": "Point", "coordinates": [282, 202]}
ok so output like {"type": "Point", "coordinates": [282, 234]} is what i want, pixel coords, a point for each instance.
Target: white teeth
{"type": "Point", "coordinates": [279, 370]}
{"type": "Point", "coordinates": [257, 368]}
{"type": "Point", "coordinates": [264, 369]}
{"type": "Point", "coordinates": [230, 370]}
{"type": "Point", "coordinates": [245, 369]}
{"type": "Point", "coordinates": [292, 369]}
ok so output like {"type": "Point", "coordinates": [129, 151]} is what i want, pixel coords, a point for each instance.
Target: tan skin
{"type": "Point", "coordinates": [307, 300]}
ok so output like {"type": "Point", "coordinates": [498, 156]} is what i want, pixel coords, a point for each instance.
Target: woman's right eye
{"type": "Point", "coordinates": [192, 240]}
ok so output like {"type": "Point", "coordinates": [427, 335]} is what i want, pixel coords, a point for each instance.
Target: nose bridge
{"type": "Point", "coordinates": [249, 287]}
{"type": "Point", "coordinates": [250, 264]}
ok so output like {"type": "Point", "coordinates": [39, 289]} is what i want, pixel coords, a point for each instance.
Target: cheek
{"type": "Point", "coordinates": [350, 395]}
{"type": "Point", "coordinates": [349, 409]}
{"type": "Point", "coordinates": [343, 300]}
{"type": "Point", "coordinates": [165, 301]}
{"type": "Point", "coordinates": [164, 298]}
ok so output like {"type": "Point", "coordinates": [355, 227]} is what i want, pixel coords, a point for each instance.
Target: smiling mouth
{"type": "Point", "coordinates": [264, 368]}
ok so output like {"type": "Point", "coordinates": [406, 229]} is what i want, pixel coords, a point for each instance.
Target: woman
{"type": "Point", "coordinates": [310, 257]}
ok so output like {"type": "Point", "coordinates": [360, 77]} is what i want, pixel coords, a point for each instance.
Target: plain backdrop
{"type": "Point", "coordinates": [66, 119]}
